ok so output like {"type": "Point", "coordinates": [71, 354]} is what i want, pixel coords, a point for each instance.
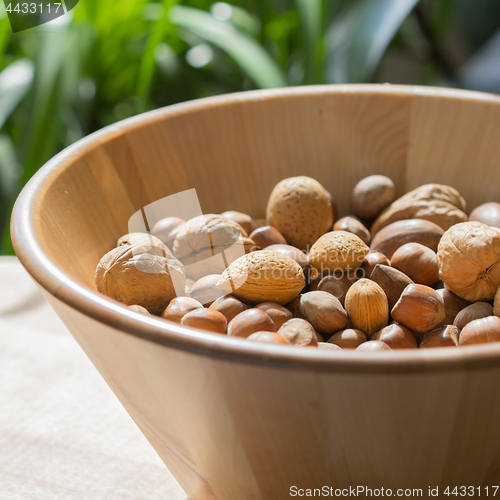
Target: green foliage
{"type": "Point", "coordinates": [108, 60]}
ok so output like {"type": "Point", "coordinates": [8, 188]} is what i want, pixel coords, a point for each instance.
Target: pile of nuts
{"type": "Point", "coordinates": [400, 273]}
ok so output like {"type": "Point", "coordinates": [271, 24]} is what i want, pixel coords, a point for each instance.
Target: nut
{"type": "Point", "coordinates": [338, 251]}
{"type": "Point", "coordinates": [348, 339]}
{"type": "Point", "coordinates": [442, 336]}
{"type": "Point", "coordinates": [328, 347]}
{"type": "Point", "coordinates": [371, 195]}
{"type": "Point", "coordinates": [371, 260]}
{"type": "Point", "coordinates": [337, 285]}
{"type": "Point", "coordinates": [294, 253]}
{"type": "Point", "coordinates": [301, 209]}
{"type": "Point", "coordinates": [266, 236]}
{"type": "Point", "coordinates": [277, 313]}
{"type": "Point", "coordinates": [367, 306]}
{"type": "Point", "coordinates": [167, 228]}
{"type": "Point", "coordinates": [396, 337]}
{"type": "Point", "coordinates": [420, 308]}
{"type": "Point", "coordinates": [250, 321]}
{"type": "Point", "coordinates": [373, 345]}
{"type": "Point", "coordinates": [453, 304]}
{"type": "Point", "coordinates": [354, 226]}
{"type": "Point", "coordinates": [488, 213]}
{"type": "Point", "coordinates": [179, 307]}
{"type": "Point", "coordinates": [268, 338]}
{"type": "Point", "coordinates": [139, 309]}
{"type": "Point", "coordinates": [142, 239]}
{"type": "Point", "coordinates": [323, 311]}
{"type": "Point", "coordinates": [437, 203]}
{"type": "Point", "coordinates": [418, 262]}
{"type": "Point", "coordinates": [263, 276]}
{"type": "Point", "coordinates": [205, 319]}
{"type": "Point", "coordinates": [204, 290]}
{"type": "Point", "coordinates": [395, 235]}
{"type": "Point", "coordinates": [468, 258]}
{"type": "Point", "coordinates": [299, 332]}
{"type": "Point", "coordinates": [229, 306]}
{"type": "Point", "coordinates": [201, 240]}
{"type": "Point", "coordinates": [473, 312]}
{"type": "Point", "coordinates": [481, 331]}
{"type": "Point", "coordinates": [140, 275]}
{"type": "Point", "coordinates": [244, 220]}
{"type": "Point", "coordinates": [392, 281]}
{"type": "Point", "coordinates": [496, 303]}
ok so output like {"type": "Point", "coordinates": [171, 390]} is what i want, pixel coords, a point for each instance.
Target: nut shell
{"type": "Point", "coordinates": [442, 336]}
{"type": "Point", "coordinates": [140, 274]}
{"type": "Point", "coordinates": [323, 311]}
{"type": "Point", "coordinates": [418, 262]}
{"type": "Point", "coordinates": [348, 339]}
{"type": "Point", "coordinates": [420, 308]}
{"type": "Point", "coordinates": [354, 226]}
{"type": "Point", "coordinates": [205, 319]}
{"type": "Point", "coordinates": [468, 258]}
{"type": "Point", "coordinates": [367, 306]}
{"type": "Point", "coordinates": [373, 345]}
{"type": "Point", "coordinates": [301, 209]}
{"type": "Point", "coordinates": [488, 213]}
{"type": "Point", "coordinates": [250, 321]}
{"type": "Point", "coordinates": [276, 312]}
{"type": "Point", "coordinates": [338, 251]}
{"type": "Point", "coordinates": [244, 220]}
{"type": "Point", "coordinates": [263, 276]}
{"type": "Point", "coordinates": [396, 337]}
{"type": "Point", "coordinates": [299, 332]}
{"type": "Point", "coordinates": [268, 338]}
{"type": "Point", "coordinates": [392, 281]}
{"type": "Point", "coordinates": [179, 307]}
{"type": "Point", "coordinates": [481, 331]}
{"type": "Point", "coordinates": [470, 313]}
{"type": "Point", "coordinates": [266, 236]}
{"type": "Point", "coordinates": [371, 195]}
{"type": "Point", "coordinates": [204, 290]}
{"type": "Point", "coordinates": [229, 306]}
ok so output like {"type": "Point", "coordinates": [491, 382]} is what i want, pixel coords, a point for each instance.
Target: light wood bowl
{"type": "Point", "coordinates": [238, 420]}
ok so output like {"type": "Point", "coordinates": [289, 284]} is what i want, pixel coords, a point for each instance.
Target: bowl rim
{"type": "Point", "coordinates": [111, 313]}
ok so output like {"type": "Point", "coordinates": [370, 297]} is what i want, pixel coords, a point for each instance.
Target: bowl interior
{"type": "Point", "coordinates": [234, 149]}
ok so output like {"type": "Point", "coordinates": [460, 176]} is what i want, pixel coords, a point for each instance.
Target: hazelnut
{"type": "Point", "coordinates": [250, 321]}
{"type": "Point", "coordinates": [442, 336]}
{"type": "Point", "coordinates": [323, 311]}
{"type": "Point", "coordinates": [164, 228]}
{"type": "Point", "coordinates": [496, 303]}
{"type": "Point", "coordinates": [352, 225]}
{"type": "Point", "coordinates": [348, 339]}
{"type": "Point", "coordinates": [395, 235]}
{"type": "Point", "coordinates": [301, 209]}
{"type": "Point", "coordinates": [229, 306]}
{"type": "Point", "coordinates": [268, 338]}
{"type": "Point", "coordinates": [204, 290]}
{"type": "Point", "coordinates": [266, 236]}
{"type": "Point", "coordinates": [263, 276]}
{"type": "Point", "coordinates": [371, 195]}
{"type": "Point", "coordinates": [371, 260]}
{"type": "Point", "coordinates": [328, 347]}
{"type": "Point", "coordinates": [338, 251]}
{"type": "Point", "coordinates": [392, 281]}
{"type": "Point", "coordinates": [276, 312]}
{"type": "Point", "coordinates": [396, 337]}
{"type": "Point", "coordinates": [453, 304]}
{"type": "Point", "coordinates": [373, 345]}
{"type": "Point", "coordinates": [367, 307]}
{"type": "Point", "coordinates": [205, 319]}
{"type": "Point", "coordinates": [468, 258]}
{"type": "Point", "coordinates": [319, 337]}
{"type": "Point", "coordinates": [179, 307]}
{"type": "Point", "coordinates": [294, 253]}
{"type": "Point", "coordinates": [488, 213]}
{"type": "Point", "coordinates": [139, 309]}
{"type": "Point", "coordinates": [244, 220]}
{"type": "Point", "coordinates": [418, 262]}
{"type": "Point", "coordinates": [140, 275]}
{"type": "Point", "coordinates": [293, 307]}
{"type": "Point", "coordinates": [420, 308]}
{"type": "Point", "coordinates": [472, 312]}
{"type": "Point", "coordinates": [299, 332]}
{"type": "Point", "coordinates": [480, 331]}
{"type": "Point", "coordinates": [337, 285]}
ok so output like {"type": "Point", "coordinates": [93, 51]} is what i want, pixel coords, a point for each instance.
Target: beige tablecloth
{"type": "Point", "coordinates": [63, 434]}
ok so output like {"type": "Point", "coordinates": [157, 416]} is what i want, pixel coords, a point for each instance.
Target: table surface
{"type": "Point", "coordinates": [63, 434]}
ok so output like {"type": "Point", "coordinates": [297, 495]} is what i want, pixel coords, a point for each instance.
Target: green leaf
{"type": "Point", "coordinates": [253, 59]}
{"type": "Point", "coordinates": [360, 37]}
{"type": "Point", "coordinates": [15, 82]}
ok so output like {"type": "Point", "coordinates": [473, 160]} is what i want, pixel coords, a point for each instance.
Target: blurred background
{"type": "Point", "coordinates": [107, 60]}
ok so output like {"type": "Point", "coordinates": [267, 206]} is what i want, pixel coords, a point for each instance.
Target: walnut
{"type": "Point", "coordinates": [469, 257]}
{"type": "Point", "coordinates": [206, 244]}
{"type": "Point", "coordinates": [140, 274]}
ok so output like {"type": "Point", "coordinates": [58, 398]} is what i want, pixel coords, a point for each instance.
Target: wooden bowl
{"type": "Point", "coordinates": [234, 419]}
